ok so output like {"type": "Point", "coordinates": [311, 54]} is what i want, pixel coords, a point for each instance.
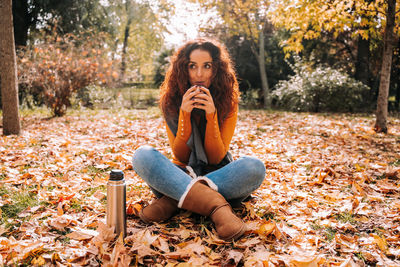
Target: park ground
{"type": "Point", "coordinates": [331, 195]}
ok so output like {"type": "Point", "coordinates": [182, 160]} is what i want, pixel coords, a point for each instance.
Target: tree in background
{"type": "Point", "coordinates": [246, 65]}
{"type": "Point", "coordinates": [395, 77]}
{"type": "Point", "coordinates": [365, 19]}
{"type": "Point", "coordinates": [8, 71]}
{"type": "Point", "coordinates": [140, 31]}
{"type": "Point", "coordinates": [247, 18]}
{"type": "Point", "coordinates": [55, 36]}
{"type": "Point", "coordinates": [69, 16]}
{"type": "Point", "coordinates": [57, 68]}
{"type": "Point", "coordinates": [161, 65]}
{"type": "Point", "coordinates": [389, 39]}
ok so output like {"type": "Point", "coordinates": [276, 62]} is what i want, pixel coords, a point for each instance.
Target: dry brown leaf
{"type": "Point", "coordinates": [381, 242]}
{"type": "Point", "coordinates": [163, 245]}
{"type": "Point", "coordinates": [63, 221]}
{"type": "Point", "coordinates": [235, 255]}
{"type": "Point", "coordinates": [357, 189]}
{"type": "Point", "coordinates": [349, 263]}
{"type": "Point", "coordinates": [79, 235]}
{"type": "Point", "coordinates": [106, 234]}
{"type": "Point", "coordinates": [259, 258]}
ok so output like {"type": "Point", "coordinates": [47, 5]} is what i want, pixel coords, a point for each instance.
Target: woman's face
{"type": "Point", "coordinates": [200, 68]}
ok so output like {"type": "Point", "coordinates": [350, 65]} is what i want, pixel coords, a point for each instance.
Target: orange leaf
{"type": "Point", "coordinates": [133, 209]}
{"type": "Point", "coordinates": [266, 229]}
{"type": "Point", "coordinates": [381, 242]}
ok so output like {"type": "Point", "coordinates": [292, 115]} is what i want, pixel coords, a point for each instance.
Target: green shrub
{"type": "Point", "coordinates": [52, 71]}
{"type": "Point", "coordinates": [250, 98]}
{"type": "Point", "coordinates": [320, 89]}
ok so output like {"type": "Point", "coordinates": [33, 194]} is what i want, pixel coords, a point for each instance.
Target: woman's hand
{"type": "Point", "coordinates": [203, 100]}
{"type": "Point", "coordinates": [198, 97]}
{"type": "Point", "coordinates": [188, 99]}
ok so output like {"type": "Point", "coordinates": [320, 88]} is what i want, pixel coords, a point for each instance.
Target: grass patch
{"type": "Point", "coordinates": [93, 170]}
{"type": "Point", "coordinates": [315, 226]}
{"type": "Point", "coordinates": [41, 112]}
{"type": "Point", "coordinates": [345, 217]}
{"type": "Point", "coordinates": [76, 205]}
{"type": "Point", "coordinates": [260, 130]}
{"type": "Point", "coordinates": [395, 163]}
{"type": "Point", "coordinates": [268, 216]}
{"type": "Point", "coordinates": [62, 235]}
{"type": "Point", "coordinates": [18, 202]}
{"type": "Point", "coordinates": [360, 256]}
{"type": "Point", "coordinates": [92, 190]}
{"type": "Point", "coordinates": [330, 233]}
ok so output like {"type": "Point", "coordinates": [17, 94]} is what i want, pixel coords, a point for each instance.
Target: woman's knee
{"type": "Point", "coordinates": [255, 168]}
{"type": "Point", "coordinates": [143, 154]}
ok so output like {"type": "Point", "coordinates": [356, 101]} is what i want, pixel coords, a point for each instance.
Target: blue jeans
{"type": "Point", "coordinates": [235, 181]}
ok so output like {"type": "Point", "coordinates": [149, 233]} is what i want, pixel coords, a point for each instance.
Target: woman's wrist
{"type": "Point", "coordinates": [184, 125]}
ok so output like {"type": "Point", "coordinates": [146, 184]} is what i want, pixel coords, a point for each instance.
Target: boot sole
{"type": "Point", "coordinates": [235, 236]}
{"type": "Point", "coordinates": [146, 220]}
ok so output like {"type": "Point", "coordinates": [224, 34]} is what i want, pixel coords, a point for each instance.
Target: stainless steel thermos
{"type": "Point", "coordinates": [116, 202]}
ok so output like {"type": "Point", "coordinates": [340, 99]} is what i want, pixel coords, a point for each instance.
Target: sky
{"type": "Point", "coordinates": [185, 23]}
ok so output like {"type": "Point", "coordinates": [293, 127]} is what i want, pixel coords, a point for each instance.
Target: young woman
{"type": "Point", "coordinates": [199, 101]}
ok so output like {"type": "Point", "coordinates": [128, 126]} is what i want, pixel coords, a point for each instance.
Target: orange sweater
{"type": "Point", "coordinates": [216, 143]}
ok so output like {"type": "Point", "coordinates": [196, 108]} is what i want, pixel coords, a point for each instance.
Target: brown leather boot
{"type": "Point", "coordinates": [205, 201]}
{"type": "Point", "coordinates": [159, 210]}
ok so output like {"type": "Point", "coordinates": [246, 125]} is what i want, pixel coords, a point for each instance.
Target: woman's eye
{"type": "Point", "coordinates": [208, 66]}
{"type": "Point", "coordinates": [192, 66]}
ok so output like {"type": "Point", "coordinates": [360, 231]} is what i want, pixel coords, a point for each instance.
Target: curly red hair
{"type": "Point", "coordinates": [224, 86]}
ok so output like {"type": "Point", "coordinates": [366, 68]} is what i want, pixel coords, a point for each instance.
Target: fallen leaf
{"type": "Point", "coordinates": [381, 242]}
{"type": "Point", "coordinates": [78, 235]}
{"type": "Point", "coordinates": [266, 228]}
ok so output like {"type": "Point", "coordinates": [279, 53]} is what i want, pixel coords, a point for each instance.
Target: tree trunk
{"type": "Point", "coordinates": [362, 64]}
{"type": "Point", "coordinates": [8, 71]}
{"type": "Point", "coordinates": [397, 76]}
{"type": "Point", "coordinates": [263, 73]}
{"type": "Point", "coordinates": [128, 10]}
{"type": "Point", "coordinates": [397, 102]}
{"type": "Point", "coordinates": [382, 105]}
{"type": "Point", "coordinates": [125, 45]}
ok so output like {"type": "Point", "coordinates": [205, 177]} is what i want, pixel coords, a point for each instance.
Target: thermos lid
{"type": "Point", "coordinates": [116, 175]}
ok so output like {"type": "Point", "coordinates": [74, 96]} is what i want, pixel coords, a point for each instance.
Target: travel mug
{"type": "Point", "coordinates": [116, 202]}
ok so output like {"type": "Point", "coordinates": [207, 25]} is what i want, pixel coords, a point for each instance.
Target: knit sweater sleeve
{"type": "Point", "coordinates": [217, 139]}
{"type": "Point", "coordinates": [178, 144]}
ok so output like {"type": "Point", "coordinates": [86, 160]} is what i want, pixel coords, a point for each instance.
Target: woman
{"type": "Point", "coordinates": [199, 101]}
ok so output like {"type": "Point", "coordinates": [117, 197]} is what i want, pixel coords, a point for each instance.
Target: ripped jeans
{"type": "Point", "coordinates": [235, 181]}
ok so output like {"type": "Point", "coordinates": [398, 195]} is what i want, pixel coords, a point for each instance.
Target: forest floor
{"type": "Point", "coordinates": [331, 195]}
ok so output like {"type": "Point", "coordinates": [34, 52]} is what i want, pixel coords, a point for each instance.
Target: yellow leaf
{"type": "Point", "coordinates": [55, 257]}
{"type": "Point", "coordinates": [39, 261]}
{"type": "Point", "coordinates": [381, 242]}
{"type": "Point", "coordinates": [266, 228]}
{"type": "Point", "coordinates": [359, 168]}
{"type": "Point", "coordinates": [358, 189]}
